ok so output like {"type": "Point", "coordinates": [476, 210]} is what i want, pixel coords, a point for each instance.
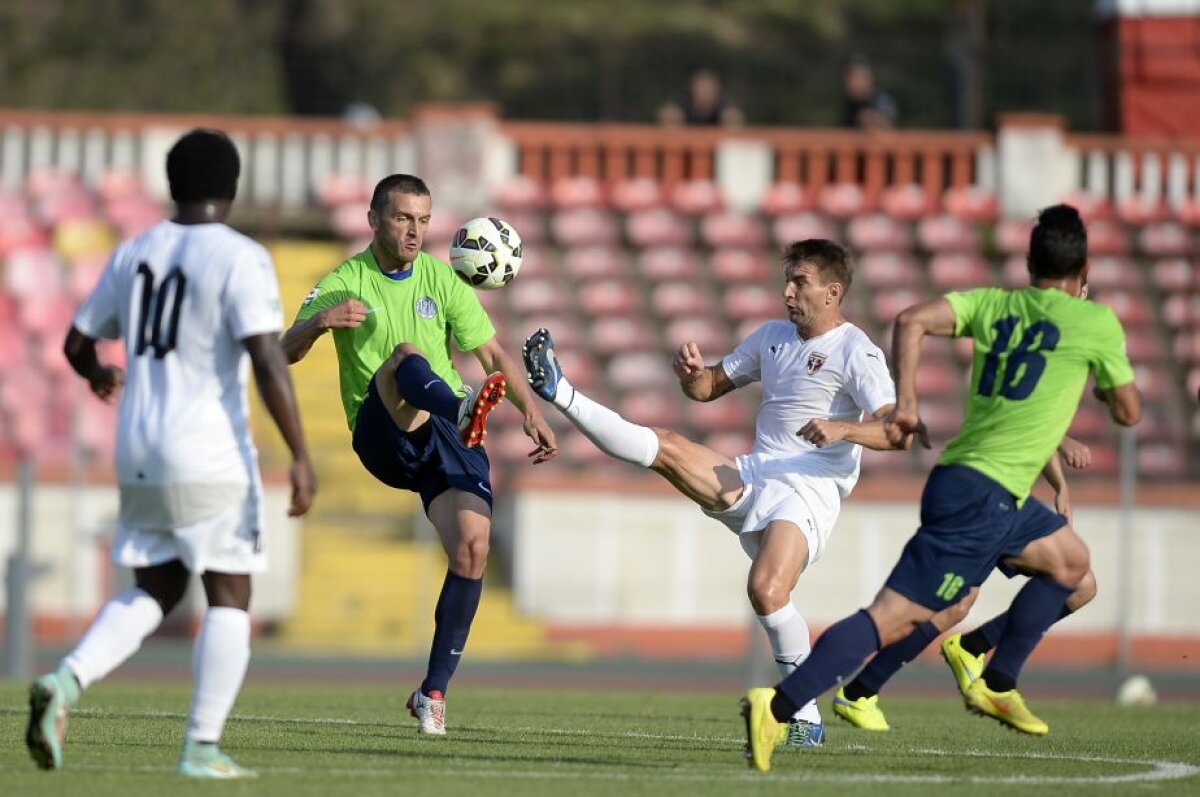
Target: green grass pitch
{"type": "Point", "coordinates": [337, 739]}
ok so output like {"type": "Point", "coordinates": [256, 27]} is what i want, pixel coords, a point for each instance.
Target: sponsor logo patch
{"type": "Point", "coordinates": [310, 297]}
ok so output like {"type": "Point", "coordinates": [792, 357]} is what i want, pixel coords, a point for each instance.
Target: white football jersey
{"type": "Point", "coordinates": [183, 297]}
{"type": "Point", "coordinates": [839, 375]}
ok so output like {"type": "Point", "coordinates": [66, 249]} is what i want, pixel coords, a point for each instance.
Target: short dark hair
{"type": "Point", "coordinates": [1058, 244]}
{"type": "Point", "coordinates": [832, 260]}
{"type": "Point", "coordinates": [203, 164]}
{"type": "Point", "coordinates": [404, 183]}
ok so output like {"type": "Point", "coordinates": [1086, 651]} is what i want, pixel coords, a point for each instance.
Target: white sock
{"type": "Point", "coordinates": [219, 660]}
{"type": "Point", "coordinates": [791, 644]}
{"type": "Point", "coordinates": [115, 635]}
{"type": "Point", "coordinates": [612, 434]}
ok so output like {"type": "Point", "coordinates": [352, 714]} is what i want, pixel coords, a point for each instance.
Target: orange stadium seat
{"type": "Point", "coordinates": [657, 226]}
{"type": "Point", "coordinates": [878, 232]}
{"type": "Point", "coordinates": [637, 194]}
{"type": "Point", "coordinates": [907, 202]}
{"type": "Point", "coordinates": [696, 197]}
{"type": "Point", "coordinates": [584, 225]}
{"type": "Point", "coordinates": [736, 264]}
{"type": "Point", "coordinates": [885, 270]}
{"type": "Point", "coordinates": [947, 234]}
{"type": "Point", "coordinates": [798, 226]}
{"type": "Point", "coordinates": [971, 203]}
{"type": "Point", "coordinates": [660, 263]}
{"type": "Point", "coordinates": [731, 228]}
{"type": "Point", "coordinates": [596, 262]}
{"type": "Point", "coordinates": [577, 192]}
{"type": "Point", "coordinates": [786, 198]}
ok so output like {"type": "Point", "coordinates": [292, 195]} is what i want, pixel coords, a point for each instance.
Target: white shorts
{"type": "Point", "coordinates": [774, 490]}
{"type": "Point", "coordinates": [229, 542]}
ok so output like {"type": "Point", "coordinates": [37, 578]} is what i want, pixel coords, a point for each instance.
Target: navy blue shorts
{"type": "Point", "coordinates": [428, 460]}
{"type": "Point", "coordinates": [969, 523]}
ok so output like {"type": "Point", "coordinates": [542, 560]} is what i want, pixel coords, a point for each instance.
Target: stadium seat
{"type": "Point", "coordinates": [56, 208]}
{"type": "Point", "coordinates": [757, 301]}
{"type": "Point", "coordinates": [798, 226]}
{"type": "Point", "coordinates": [907, 202]}
{"type": "Point", "coordinates": [651, 408]}
{"type": "Point", "coordinates": [1163, 460]}
{"type": "Point", "coordinates": [729, 444]}
{"type": "Point", "coordinates": [583, 226]}
{"type": "Point", "coordinates": [947, 234]}
{"type": "Point", "coordinates": [1113, 273]}
{"type": "Point", "coordinates": [1091, 420]}
{"type": "Point", "coordinates": [349, 220]}
{"type": "Point", "coordinates": [942, 416]}
{"type": "Point", "coordinates": [1165, 239]}
{"type": "Point", "coordinates": [886, 270]}
{"type": "Point", "coordinates": [14, 348]}
{"type": "Point", "coordinates": [83, 237]}
{"type": "Point", "coordinates": [1131, 308]}
{"type": "Point", "coordinates": [661, 263]}
{"type": "Point", "coordinates": [529, 224]}
{"type": "Point", "coordinates": [940, 378]}
{"type": "Point", "coordinates": [727, 414]}
{"type": "Point", "coordinates": [1175, 274]}
{"type": "Point", "coordinates": [842, 200]}
{"type": "Point", "coordinates": [731, 228]}
{"type": "Point", "coordinates": [712, 338]}
{"type": "Point", "coordinates": [735, 264]}
{"type": "Point", "coordinates": [682, 299]}
{"type": "Point", "coordinates": [120, 183]}
{"type": "Point", "coordinates": [744, 327]}
{"type": "Point", "coordinates": [1012, 236]}
{"type": "Point", "coordinates": [1187, 347]}
{"type": "Point", "coordinates": [579, 366]}
{"type": "Point", "coordinates": [1140, 209]}
{"type": "Point", "coordinates": [1155, 384]}
{"type": "Point", "coordinates": [1180, 310]}
{"type": "Point", "coordinates": [43, 182]}
{"type": "Point", "coordinates": [565, 329]}
{"type": "Point", "coordinates": [959, 271]}
{"type": "Point", "coordinates": [882, 463]}
{"type": "Point", "coordinates": [886, 305]}
{"type": "Point", "coordinates": [696, 197]}
{"type": "Point", "coordinates": [878, 232]}
{"type": "Point", "coordinates": [537, 261]}
{"type": "Point", "coordinates": [520, 193]}
{"type": "Point", "coordinates": [577, 192]}
{"type": "Point", "coordinates": [607, 297]}
{"type": "Point", "coordinates": [971, 203]}
{"type": "Point", "coordinates": [343, 189]}
{"type": "Point", "coordinates": [657, 227]}
{"type": "Point", "coordinates": [622, 334]}
{"type": "Point", "coordinates": [1187, 211]}
{"type": "Point", "coordinates": [786, 198]}
{"type": "Point", "coordinates": [131, 215]}
{"type": "Point", "coordinates": [1143, 346]}
{"type": "Point", "coordinates": [533, 296]}
{"type": "Point", "coordinates": [1091, 206]}
{"type": "Point", "coordinates": [595, 262]}
{"type": "Point", "coordinates": [637, 194]}
{"type": "Point", "coordinates": [32, 273]}
{"type": "Point", "coordinates": [1015, 273]}
{"type": "Point", "coordinates": [1107, 238]}
{"type": "Point", "coordinates": [21, 232]}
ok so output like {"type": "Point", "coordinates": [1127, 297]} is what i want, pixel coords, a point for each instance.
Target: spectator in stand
{"type": "Point", "coordinates": [864, 106]}
{"type": "Point", "coordinates": [703, 104]}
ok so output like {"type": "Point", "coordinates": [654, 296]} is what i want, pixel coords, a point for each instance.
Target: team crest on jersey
{"type": "Point", "coordinates": [815, 361]}
{"type": "Point", "coordinates": [311, 296]}
{"type": "Point", "coordinates": [426, 307]}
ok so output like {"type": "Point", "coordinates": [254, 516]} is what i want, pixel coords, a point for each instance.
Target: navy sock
{"type": "Point", "coordinates": [839, 652]}
{"type": "Point", "coordinates": [1037, 606]}
{"type": "Point", "coordinates": [425, 390]}
{"type": "Point", "coordinates": [455, 610]}
{"type": "Point", "coordinates": [985, 637]}
{"type": "Point", "coordinates": [889, 661]}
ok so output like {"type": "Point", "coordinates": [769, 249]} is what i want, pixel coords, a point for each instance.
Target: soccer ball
{"type": "Point", "coordinates": [486, 253]}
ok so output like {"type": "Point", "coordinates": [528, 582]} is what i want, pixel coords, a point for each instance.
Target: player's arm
{"type": "Point", "coordinates": [493, 357]}
{"type": "Point", "coordinates": [80, 351]}
{"type": "Point", "coordinates": [1124, 403]}
{"type": "Point", "coordinates": [1075, 453]}
{"type": "Point", "coordinates": [868, 433]}
{"type": "Point", "coordinates": [301, 336]}
{"type": "Point", "coordinates": [275, 386]}
{"type": "Point", "coordinates": [1054, 476]}
{"type": "Point", "coordinates": [934, 317]}
{"type": "Point", "coordinates": [699, 382]}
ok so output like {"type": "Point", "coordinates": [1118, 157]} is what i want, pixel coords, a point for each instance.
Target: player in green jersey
{"type": "Point", "coordinates": [1034, 350]}
{"type": "Point", "coordinates": [394, 311]}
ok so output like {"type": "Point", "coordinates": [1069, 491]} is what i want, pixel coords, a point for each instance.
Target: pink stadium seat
{"type": "Point", "coordinates": [1187, 347]}
{"type": "Point", "coordinates": [565, 329]}
{"type": "Point", "coordinates": [682, 299]}
{"type": "Point", "coordinates": [1155, 384]}
{"type": "Point", "coordinates": [1164, 460]}
{"type": "Point", "coordinates": [14, 349]}
{"type": "Point", "coordinates": [696, 197]}
{"type": "Point", "coordinates": [731, 228]}
{"type": "Point", "coordinates": [711, 336]}
{"type": "Point", "coordinates": [786, 198]}
{"type": "Point", "coordinates": [56, 208]}
{"type": "Point", "coordinates": [940, 378]}
{"type": "Point", "coordinates": [1165, 239]}
{"type": "Point", "coordinates": [657, 227]}
{"type": "Point", "coordinates": [1131, 308]}
{"type": "Point", "coordinates": [1015, 273]}
{"type": "Point", "coordinates": [885, 270]}
{"type": "Point", "coordinates": [119, 183]}
{"type": "Point", "coordinates": [743, 265]}
{"type": "Point", "coordinates": [509, 444]}
{"type": "Point", "coordinates": [1180, 310]}
{"type": "Point", "coordinates": [730, 444]}
{"type": "Point", "coordinates": [959, 271]}
{"type": "Point", "coordinates": [1105, 460]}
{"type": "Point", "coordinates": [132, 215]}
{"type": "Point", "coordinates": [881, 463]}
{"type": "Point", "coordinates": [1091, 206]}
{"type": "Point", "coordinates": [44, 182]}
{"type": "Point", "coordinates": [536, 261]}
{"type": "Point", "coordinates": [885, 306]}
{"type": "Point", "coordinates": [529, 224]}
{"type": "Point", "coordinates": [947, 234]}
{"type": "Point", "coordinates": [756, 301]}
{"type": "Point", "coordinates": [971, 203]}
{"type": "Point", "coordinates": [32, 272]}
{"type": "Point", "coordinates": [651, 408]}
{"type": "Point", "coordinates": [349, 220]}
{"type": "Point", "coordinates": [609, 297]}
{"type": "Point", "coordinates": [842, 200]}
{"type": "Point", "coordinates": [798, 226]}
{"type": "Point", "coordinates": [596, 262]}
{"type": "Point", "coordinates": [584, 225]}
{"type": "Point", "coordinates": [1107, 238]}
{"type": "Point", "coordinates": [579, 366]}
{"type": "Point", "coordinates": [343, 189]}
{"type": "Point", "coordinates": [727, 414]}
{"type": "Point", "coordinates": [661, 263]}
{"type": "Point", "coordinates": [1193, 386]}
{"type": "Point", "coordinates": [907, 202]}
{"type": "Point", "coordinates": [1138, 210]}
{"type": "Point", "coordinates": [21, 232]}
{"type": "Point", "coordinates": [1091, 419]}
{"type": "Point", "coordinates": [1143, 346]}
{"type": "Point", "coordinates": [612, 335]}
{"type": "Point", "coordinates": [637, 194]}
{"type": "Point", "coordinates": [12, 203]}
{"type": "Point", "coordinates": [577, 192]}
{"type": "Point", "coordinates": [580, 451]}
{"type": "Point", "coordinates": [1176, 274]}
{"type": "Point", "coordinates": [878, 232]}
{"type": "Point", "coordinates": [1012, 236]}
{"type": "Point", "coordinates": [520, 193]}
{"type": "Point", "coordinates": [942, 416]}
{"type": "Point", "coordinates": [529, 296]}
{"type": "Point", "coordinates": [1187, 211]}
{"type": "Point", "coordinates": [1113, 273]}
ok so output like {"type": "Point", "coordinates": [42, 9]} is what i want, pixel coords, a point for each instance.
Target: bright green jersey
{"type": "Point", "coordinates": [1034, 349]}
{"type": "Point", "coordinates": [424, 306]}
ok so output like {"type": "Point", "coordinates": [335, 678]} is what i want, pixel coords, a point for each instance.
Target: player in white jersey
{"type": "Point", "coordinates": [197, 306]}
{"type": "Point", "coordinates": [826, 389]}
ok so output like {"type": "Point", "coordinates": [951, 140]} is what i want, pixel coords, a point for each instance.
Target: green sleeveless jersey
{"type": "Point", "coordinates": [427, 306]}
{"type": "Point", "coordinates": [1034, 349]}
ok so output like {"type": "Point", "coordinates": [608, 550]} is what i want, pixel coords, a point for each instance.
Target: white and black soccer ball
{"type": "Point", "coordinates": [486, 253]}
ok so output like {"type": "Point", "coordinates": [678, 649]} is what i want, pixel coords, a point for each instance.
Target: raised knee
{"type": "Point", "coordinates": [470, 559]}
{"type": "Point", "coordinates": [767, 596]}
{"type": "Point", "coordinates": [1084, 593]}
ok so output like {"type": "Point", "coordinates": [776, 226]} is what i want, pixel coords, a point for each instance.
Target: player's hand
{"type": "Point", "coordinates": [344, 315]}
{"type": "Point", "coordinates": [540, 432]}
{"type": "Point", "coordinates": [107, 382]}
{"type": "Point", "coordinates": [687, 363]}
{"type": "Point", "coordinates": [1062, 505]}
{"type": "Point", "coordinates": [822, 432]}
{"type": "Point", "coordinates": [304, 487]}
{"type": "Point", "coordinates": [901, 424]}
{"type": "Point", "coordinates": [1075, 453]}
